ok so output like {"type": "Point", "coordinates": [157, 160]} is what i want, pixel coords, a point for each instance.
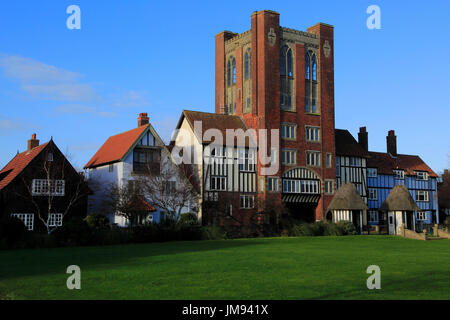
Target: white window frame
{"type": "Point", "coordinates": [26, 218]}
{"type": "Point", "coordinates": [222, 183]}
{"type": "Point", "coordinates": [374, 216]}
{"type": "Point", "coordinates": [355, 162]}
{"type": "Point", "coordinates": [313, 158]}
{"type": "Point", "coordinates": [312, 134]}
{"type": "Point", "coordinates": [55, 220]}
{"type": "Point", "coordinates": [422, 175]}
{"type": "Point", "coordinates": [292, 156]}
{"type": "Point", "coordinates": [50, 157]}
{"type": "Point", "coordinates": [399, 174]}
{"type": "Point", "coordinates": [372, 194]}
{"type": "Point", "coordinates": [372, 173]}
{"type": "Point", "coordinates": [301, 186]}
{"type": "Point", "coordinates": [329, 160]}
{"type": "Point", "coordinates": [289, 131]}
{"type": "Point", "coordinates": [247, 201]}
{"type": "Point", "coordinates": [272, 184]}
{"type": "Point", "coordinates": [247, 160]}
{"type": "Point", "coordinates": [329, 186]}
{"type": "Point", "coordinates": [421, 215]}
{"type": "Point", "coordinates": [40, 187]}
{"type": "Point", "coordinates": [422, 196]}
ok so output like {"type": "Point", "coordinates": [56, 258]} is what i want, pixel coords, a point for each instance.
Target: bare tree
{"type": "Point", "coordinates": [60, 188]}
{"type": "Point", "coordinates": [127, 201]}
{"type": "Point", "coordinates": [171, 189]}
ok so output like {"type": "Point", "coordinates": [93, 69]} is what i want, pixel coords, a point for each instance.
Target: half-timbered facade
{"type": "Point", "coordinates": [386, 170]}
{"type": "Point", "coordinates": [226, 170]}
{"type": "Point", "coordinates": [351, 162]}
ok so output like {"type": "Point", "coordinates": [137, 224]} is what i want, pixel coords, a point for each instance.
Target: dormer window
{"type": "Point", "coordinates": [422, 175]}
{"type": "Point", "coordinates": [399, 174]}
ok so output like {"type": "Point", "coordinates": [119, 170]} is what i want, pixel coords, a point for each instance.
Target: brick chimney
{"type": "Point", "coordinates": [391, 143]}
{"type": "Point", "coordinates": [143, 119]}
{"type": "Point", "coordinates": [33, 142]}
{"type": "Point", "coordinates": [363, 138]}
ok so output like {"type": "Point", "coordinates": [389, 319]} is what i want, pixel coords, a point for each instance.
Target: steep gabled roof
{"type": "Point", "coordinates": [346, 145]}
{"type": "Point", "coordinates": [399, 199]}
{"type": "Point", "coordinates": [18, 164]}
{"type": "Point", "coordinates": [347, 198]}
{"type": "Point", "coordinates": [385, 163]}
{"type": "Point", "coordinates": [221, 122]}
{"type": "Point", "coordinates": [116, 147]}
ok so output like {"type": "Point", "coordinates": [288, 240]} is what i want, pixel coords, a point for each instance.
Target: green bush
{"type": "Point", "coordinates": [97, 221]}
{"type": "Point", "coordinates": [74, 232]}
{"type": "Point", "coordinates": [188, 218]}
{"type": "Point", "coordinates": [12, 232]}
{"type": "Point", "coordinates": [346, 227]}
{"type": "Point", "coordinates": [332, 229]}
{"type": "Point", "coordinates": [213, 233]}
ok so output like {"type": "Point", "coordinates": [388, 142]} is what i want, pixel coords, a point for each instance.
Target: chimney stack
{"type": "Point", "coordinates": [143, 119]}
{"type": "Point", "coordinates": [391, 143]}
{"type": "Point", "coordinates": [363, 138]}
{"type": "Point", "coordinates": [33, 142]}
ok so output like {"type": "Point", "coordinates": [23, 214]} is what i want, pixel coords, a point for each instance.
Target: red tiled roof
{"type": "Point", "coordinates": [140, 203]}
{"type": "Point", "coordinates": [385, 163]}
{"type": "Point", "coordinates": [346, 145]}
{"type": "Point", "coordinates": [115, 147]}
{"type": "Point", "coordinates": [222, 122]}
{"type": "Point", "coordinates": [17, 164]}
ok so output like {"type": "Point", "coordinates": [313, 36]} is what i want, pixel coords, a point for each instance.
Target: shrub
{"type": "Point", "coordinates": [97, 221]}
{"type": "Point", "coordinates": [12, 231]}
{"type": "Point", "coordinates": [346, 227]}
{"type": "Point", "coordinates": [332, 229]}
{"type": "Point", "coordinates": [188, 219]}
{"type": "Point", "coordinates": [74, 232]}
{"type": "Point", "coordinates": [213, 233]}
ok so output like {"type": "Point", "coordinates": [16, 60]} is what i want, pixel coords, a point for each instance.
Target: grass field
{"type": "Point", "coordinates": [275, 268]}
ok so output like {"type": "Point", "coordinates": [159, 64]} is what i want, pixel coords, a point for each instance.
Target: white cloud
{"type": "Point", "coordinates": [131, 98]}
{"type": "Point", "coordinates": [8, 125]}
{"type": "Point", "coordinates": [46, 82]}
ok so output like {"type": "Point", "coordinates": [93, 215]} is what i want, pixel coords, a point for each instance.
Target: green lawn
{"type": "Point", "coordinates": [270, 268]}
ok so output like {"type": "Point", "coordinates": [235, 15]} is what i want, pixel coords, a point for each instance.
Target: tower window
{"type": "Point", "coordinates": [287, 78]}
{"type": "Point", "coordinates": [314, 68]}
{"type": "Point", "coordinates": [311, 82]}
{"type": "Point", "coordinates": [234, 71]}
{"type": "Point", "coordinates": [248, 65]}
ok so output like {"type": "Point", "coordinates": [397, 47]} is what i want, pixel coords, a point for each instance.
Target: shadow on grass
{"type": "Point", "coordinates": [410, 287]}
{"type": "Point", "coordinates": [20, 263]}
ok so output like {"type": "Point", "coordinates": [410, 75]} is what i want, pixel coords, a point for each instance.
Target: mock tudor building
{"type": "Point", "coordinates": [40, 187]}
{"type": "Point", "coordinates": [375, 174]}
{"type": "Point", "coordinates": [274, 77]}
{"type": "Point", "coordinates": [225, 166]}
{"type": "Point", "coordinates": [124, 159]}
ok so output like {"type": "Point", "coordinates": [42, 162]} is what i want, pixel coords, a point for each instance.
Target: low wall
{"type": "Point", "coordinates": [442, 233]}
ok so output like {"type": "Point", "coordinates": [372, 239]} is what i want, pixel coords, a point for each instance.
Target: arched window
{"type": "Point", "coordinates": [289, 63]}
{"type": "Point", "coordinates": [234, 71]}
{"type": "Point", "coordinates": [307, 69]}
{"type": "Point", "coordinates": [314, 68]}
{"type": "Point", "coordinates": [248, 65]}
{"type": "Point", "coordinates": [283, 61]}
{"type": "Point", "coordinates": [229, 73]}
{"type": "Point", "coordinates": [287, 78]}
{"type": "Point", "coordinates": [311, 82]}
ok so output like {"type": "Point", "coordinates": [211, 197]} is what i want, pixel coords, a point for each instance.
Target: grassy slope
{"type": "Point", "coordinates": [278, 268]}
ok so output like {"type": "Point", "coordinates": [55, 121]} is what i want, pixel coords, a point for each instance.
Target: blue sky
{"type": "Point", "coordinates": [81, 86]}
